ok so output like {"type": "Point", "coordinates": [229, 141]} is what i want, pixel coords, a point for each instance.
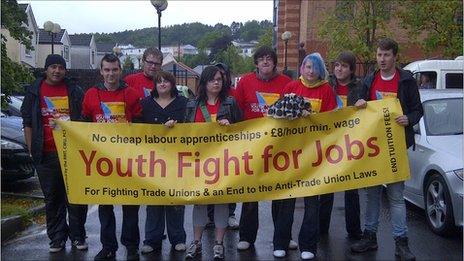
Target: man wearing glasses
{"type": "Point", "coordinates": [142, 82]}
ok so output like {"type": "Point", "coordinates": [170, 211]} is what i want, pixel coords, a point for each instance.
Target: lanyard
{"type": "Point", "coordinates": [205, 112]}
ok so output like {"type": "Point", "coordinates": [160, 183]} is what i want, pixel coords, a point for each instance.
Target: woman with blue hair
{"type": "Point", "coordinates": [313, 86]}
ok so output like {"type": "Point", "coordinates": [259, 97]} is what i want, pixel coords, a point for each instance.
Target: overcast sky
{"type": "Point", "coordinates": [115, 16]}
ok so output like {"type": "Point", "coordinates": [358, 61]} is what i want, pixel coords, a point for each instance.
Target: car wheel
{"type": "Point", "coordinates": [438, 206]}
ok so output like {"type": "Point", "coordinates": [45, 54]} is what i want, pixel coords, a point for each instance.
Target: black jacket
{"type": "Point", "coordinates": [228, 109]}
{"type": "Point", "coordinates": [408, 94]}
{"type": "Point", "coordinates": [153, 113]}
{"type": "Point", "coordinates": [32, 116]}
{"type": "Point", "coordinates": [355, 89]}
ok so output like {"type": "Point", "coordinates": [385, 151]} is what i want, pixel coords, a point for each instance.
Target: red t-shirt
{"type": "Point", "coordinates": [121, 105]}
{"type": "Point", "coordinates": [212, 109]}
{"type": "Point", "coordinates": [141, 84]}
{"type": "Point", "coordinates": [254, 95]}
{"type": "Point", "coordinates": [382, 89]}
{"type": "Point", "coordinates": [53, 105]}
{"type": "Point", "coordinates": [322, 98]}
{"type": "Point", "coordinates": [342, 94]}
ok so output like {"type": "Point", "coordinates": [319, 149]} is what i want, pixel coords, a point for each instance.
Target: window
{"type": "Point", "coordinates": [66, 52]}
{"type": "Point", "coordinates": [426, 80]}
{"type": "Point", "coordinates": [453, 81]}
{"type": "Point", "coordinates": [93, 57]}
{"type": "Point", "coordinates": [443, 116]}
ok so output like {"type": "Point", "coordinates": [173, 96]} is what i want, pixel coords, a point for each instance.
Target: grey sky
{"type": "Point", "coordinates": [115, 16]}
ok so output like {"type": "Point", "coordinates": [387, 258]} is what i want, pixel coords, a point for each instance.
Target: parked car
{"type": "Point", "coordinates": [436, 162]}
{"type": "Point", "coordinates": [16, 161]}
{"type": "Point", "coordinates": [438, 74]}
{"type": "Point", "coordinates": [14, 106]}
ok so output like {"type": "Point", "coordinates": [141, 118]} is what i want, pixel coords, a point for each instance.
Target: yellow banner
{"type": "Point", "coordinates": [261, 159]}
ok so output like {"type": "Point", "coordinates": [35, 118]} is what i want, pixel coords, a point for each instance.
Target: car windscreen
{"type": "Point", "coordinates": [443, 116]}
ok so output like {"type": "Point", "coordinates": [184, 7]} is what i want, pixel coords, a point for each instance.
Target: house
{"type": "Point", "coordinates": [61, 45]}
{"type": "Point", "coordinates": [246, 48]}
{"type": "Point", "coordinates": [184, 74]}
{"type": "Point", "coordinates": [180, 50]}
{"type": "Point", "coordinates": [102, 49]}
{"type": "Point", "coordinates": [134, 53]}
{"type": "Point", "coordinates": [16, 51]}
{"type": "Point", "coordinates": [83, 51]}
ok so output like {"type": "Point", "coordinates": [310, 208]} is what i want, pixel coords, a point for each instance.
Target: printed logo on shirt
{"type": "Point", "coordinates": [57, 107]}
{"type": "Point", "coordinates": [341, 101]}
{"type": "Point", "coordinates": [113, 112]}
{"type": "Point", "coordinates": [146, 92]}
{"type": "Point", "coordinates": [315, 104]}
{"type": "Point", "coordinates": [384, 95]}
{"type": "Point", "coordinates": [264, 101]}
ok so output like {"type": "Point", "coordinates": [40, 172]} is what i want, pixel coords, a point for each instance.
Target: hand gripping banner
{"type": "Point", "coordinates": [261, 159]}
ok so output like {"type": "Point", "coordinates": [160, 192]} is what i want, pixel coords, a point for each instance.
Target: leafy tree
{"type": "Point", "coordinates": [235, 28]}
{"type": "Point", "coordinates": [265, 39]}
{"type": "Point", "coordinates": [127, 64]}
{"type": "Point", "coordinates": [250, 31]}
{"type": "Point", "coordinates": [236, 62]}
{"type": "Point", "coordinates": [193, 61]}
{"type": "Point", "coordinates": [356, 26]}
{"type": "Point", "coordinates": [13, 74]}
{"type": "Point", "coordinates": [441, 20]}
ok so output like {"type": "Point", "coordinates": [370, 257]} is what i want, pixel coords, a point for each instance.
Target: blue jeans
{"type": "Point", "coordinates": [397, 208]}
{"type": "Point", "coordinates": [157, 217]}
{"type": "Point", "coordinates": [130, 235]}
{"type": "Point", "coordinates": [56, 203]}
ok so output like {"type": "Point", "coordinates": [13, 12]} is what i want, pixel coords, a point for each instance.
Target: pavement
{"type": "Point", "coordinates": [32, 244]}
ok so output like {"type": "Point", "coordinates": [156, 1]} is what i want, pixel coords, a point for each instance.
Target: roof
{"type": "Point", "coordinates": [23, 6]}
{"type": "Point", "coordinates": [46, 38]}
{"type": "Point", "coordinates": [199, 68]}
{"type": "Point", "coordinates": [80, 39]}
{"type": "Point", "coordinates": [180, 68]}
{"type": "Point", "coordinates": [435, 65]}
{"type": "Point", "coordinates": [105, 47]}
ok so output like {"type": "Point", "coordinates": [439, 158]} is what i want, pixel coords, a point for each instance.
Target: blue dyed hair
{"type": "Point", "coordinates": [318, 65]}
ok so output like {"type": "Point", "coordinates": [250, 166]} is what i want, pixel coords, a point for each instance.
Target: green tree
{"type": "Point", "coordinates": [356, 26]}
{"type": "Point", "coordinates": [265, 39]}
{"type": "Point", "coordinates": [235, 61]}
{"type": "Point", "coordinates": [193, 61]}
{"type": "Point", "coordinates": [13, 74]}
{"type": "Point", "coordinates": [440, 20]}
{"type": "Point", "coordinates": [127, 64]}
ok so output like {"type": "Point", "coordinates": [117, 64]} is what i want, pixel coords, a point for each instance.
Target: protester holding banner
{"type": "Point", "coordinates": [255, 92]}
{"type": "Point", "coordinates": [390, 82]}
{"type": "Point", "coordinates": [49, 98]}
{"type": "Point", "coordinates": [348, 90]}
{"type": "Point", "coordinates": [112, 102]}
{"type": "Point", "coordinates": [142, 82]}
{"type": "Point", "coordinates": [313, 85]}
{"type": "Point", "coordinates": [232, 222]}
{"type": "Point", "coordinates": [212, 105]}
{"type": "Point", "coordinates": [164, 106]}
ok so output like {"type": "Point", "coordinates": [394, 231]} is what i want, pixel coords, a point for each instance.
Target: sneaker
{"type": "Point", "coordinates": [80, 244]}
{"type": "Point", "coordinates": [243, 245]}
{"type": "Point", "coordinates": [292, 245]}
{"type": "Point", "coordinates": [367, 242]}
{"type": "Point", "coordinates": [146, 249]}
{"type": "Point", "coordinates": [194, 249]}
{"type": "Point", "coordinates": [180, 247]}
{"type": "Point", "coordinates": [105, 254]}
{"type": "Point", "coordinates": [132, 254]}
{"type": "Point", "coordinates": [402, 250]}
{"type": "Point", "coordinates": [305, 255]}
{"type": "Point", "coordinates": [218, 251]}
{"type": "Point", "coordinates": [279, 253]}
{"type": "Point", "coordinates": [57, 246]}
{"type": "Point", "coordinates": [232, 223]}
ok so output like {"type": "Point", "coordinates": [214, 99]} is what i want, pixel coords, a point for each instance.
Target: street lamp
{"type": "Point", "coordinates": [52, 28]}
{"type": "Point", "coordinates": [160, 6]}
{"type": "Point", "coordinates": [286, 36]}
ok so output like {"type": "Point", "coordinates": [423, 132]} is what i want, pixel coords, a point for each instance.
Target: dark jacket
{"type": "Point", "coordinates": [228, 109]}
{"type": "Point", "coordinates": [32, 116]}
{"type": "Point", "coordinates": [153, 113]}
{"type": "Point", "coordinates": [355, 89]}
{"type": "Point", "coordinates": [408, 94]}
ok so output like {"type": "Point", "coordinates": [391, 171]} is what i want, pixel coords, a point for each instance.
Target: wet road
{"type": "Point", "coordinates": [33, 243]}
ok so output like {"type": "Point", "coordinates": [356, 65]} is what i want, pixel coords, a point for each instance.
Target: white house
{"type": "Point", "coordinates": [61, 45]}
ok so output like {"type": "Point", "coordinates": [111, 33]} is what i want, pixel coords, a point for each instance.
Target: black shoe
{"type": "Point", "coordinates": [105, 254]}
{"type": "Point", "coordinates": [355, 236]}
{"type": "Point", "coordinates": [132, 254]}
{"type": "Point", "coordinates": [402, 250]}
{"type": "Point", "coordinates": [367, 242]}
{"type": "Point", "coordinates": [57, 246]}
{"type": "Point", "coordinates": [80, 244]}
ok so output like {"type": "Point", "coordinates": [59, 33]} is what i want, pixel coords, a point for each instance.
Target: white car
{"type": "Point", "coordinates": [436, 163]}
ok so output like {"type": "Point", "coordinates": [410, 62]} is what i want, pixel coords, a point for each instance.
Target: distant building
{"type": "Point", "coordinates": [61, 45]}
{"type": "Point", "coordinates": [102, 49]}
{"type": "Point", "coordinates": [16, 51]}
{"type": "Point", "coordinates": [180, 50]}
{"type": "Point", "coordinates": [246, 48]}
{"type": "Point", "coordinates": [83, 51]}
{"type": "Point", "coordinates": [134, 53]}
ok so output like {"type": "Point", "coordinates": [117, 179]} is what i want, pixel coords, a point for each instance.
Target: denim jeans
{"type": "Point", "coordinates": [130, 235]}
{"type": "Point", "coordinates": [160, 216]}
{"type": "Point", "coordinates": [282, 215]}
{"type": "Point", "coordinates": [397, 208]}
{"type": "Point", "coordinates": [309, 231]}
{"type": "Point", "coordinates": [56, 203]}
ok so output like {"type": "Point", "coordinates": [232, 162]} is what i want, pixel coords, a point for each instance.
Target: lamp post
{"type": "Point", "coordinates": [52, 28]}
{"type": "Point", "coordinates": [160, 6]}
{"type": "Point", "coordinates": [286, 36]}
